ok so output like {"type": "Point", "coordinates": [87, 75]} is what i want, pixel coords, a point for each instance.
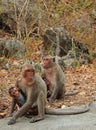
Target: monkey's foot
{"type": "Point", "coordinates": [11, 122]}
{"type": "Point", "coordinates": [36, 118]}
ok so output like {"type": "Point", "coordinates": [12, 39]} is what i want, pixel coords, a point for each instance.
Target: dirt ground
{"type": "Point", "coordinates": [82, 79]}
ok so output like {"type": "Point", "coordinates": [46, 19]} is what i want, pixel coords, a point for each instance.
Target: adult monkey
{"type": "Point", "coordinates": [34, 88]}
{"type": "Point", "coordinates": [54, 79]}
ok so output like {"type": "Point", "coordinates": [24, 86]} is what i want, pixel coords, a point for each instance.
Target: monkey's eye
{"type": "Point", "coordinates": [29, 70]}
{"type": "Point", "coordinates": [45, 59]}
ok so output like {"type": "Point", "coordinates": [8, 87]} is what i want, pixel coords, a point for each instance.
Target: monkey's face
{"type": "Point", "coordinates": [14, 93]}
{"type": "Point", "coordinates": [47, 62]}
{"type": "Point", "coordinates": [28, 71]}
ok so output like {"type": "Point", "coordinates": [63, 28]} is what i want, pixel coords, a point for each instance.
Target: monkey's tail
{"type": "Point", "coordinates": [68, 111]}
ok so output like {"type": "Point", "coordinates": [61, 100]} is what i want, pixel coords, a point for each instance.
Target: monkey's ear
{"type": "Point", "coordinates": [42, 57]}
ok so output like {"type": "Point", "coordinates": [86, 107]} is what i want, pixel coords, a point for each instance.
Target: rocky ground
{"type": "Point", "coordinates": [85, 121]}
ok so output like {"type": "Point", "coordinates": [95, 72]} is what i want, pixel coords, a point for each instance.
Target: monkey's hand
{"type": "Point", "coordinates": [36, 118]}
{"type": "Point", "coordinates": [12, 121]}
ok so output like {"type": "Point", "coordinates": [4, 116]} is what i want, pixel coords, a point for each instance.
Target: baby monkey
{"type": "Point", "coordinates": [18, 98]}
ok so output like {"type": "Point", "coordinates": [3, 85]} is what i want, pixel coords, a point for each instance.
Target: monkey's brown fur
{"type": "Point", "coordinates": [55, 76]}
{"type": "Point", "coordinates": [35, 90]}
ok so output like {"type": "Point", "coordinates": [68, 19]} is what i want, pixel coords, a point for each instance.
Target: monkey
{"type": "Point", "coordinates": [18, 98]}
{"type": "Point", "coordinates": [34, 87]}
{"type": "Point", "coordinates": [54, 78]}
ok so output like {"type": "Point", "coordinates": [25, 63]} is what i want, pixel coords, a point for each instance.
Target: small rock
{"type": "Point", "coordinates": [63, 106]}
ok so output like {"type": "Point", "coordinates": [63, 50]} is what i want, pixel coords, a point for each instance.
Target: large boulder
{"type": "Point", "coordinates": [57, 42]}
{"type": "Point", "coordinates": [60, 42]}
{"type": "Point", "coordinates": [11, 47]}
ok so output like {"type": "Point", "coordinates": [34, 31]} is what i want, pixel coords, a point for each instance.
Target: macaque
{"type": "Point", "coordinates": [53, 76]}
{"type": "Point", "coordinates": [34, 88]}
{"type": "Point", "coordinates": [18, 99]}
{"type": "Point", "coordinates": [54, 79]}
